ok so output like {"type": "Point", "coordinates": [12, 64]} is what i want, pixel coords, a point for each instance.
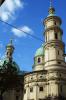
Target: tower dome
{"type": "Point", "coordinates": [5, 64]}
{"type": "Point", "coordinates": [39, 51]}
{"type": "Point", "coordinates": [39, 59]}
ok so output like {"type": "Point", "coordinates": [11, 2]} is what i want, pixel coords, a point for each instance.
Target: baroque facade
{"type": "Point", "coordinates": [47, 81]}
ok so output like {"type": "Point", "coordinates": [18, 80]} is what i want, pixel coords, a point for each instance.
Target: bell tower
{"type": "Point", "coordinates": [54, 46]}
{"type": "Point", "coordinates": [54, 60]}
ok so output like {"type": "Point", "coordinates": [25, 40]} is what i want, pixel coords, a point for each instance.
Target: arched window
{"type": "Point", "coordinates": [55, 23]}
{"type": "Point", "coordinates": [39, 60]}
{"type": "Point", "coordinates": [56, 36]}
{"type": "Point", "coordinates": [58, 52]}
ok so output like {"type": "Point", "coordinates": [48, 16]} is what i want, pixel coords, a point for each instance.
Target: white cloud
{"type": "Point", "coordinates": [20, 33]}
{"type": "Point", "coordinates": [9, 7]}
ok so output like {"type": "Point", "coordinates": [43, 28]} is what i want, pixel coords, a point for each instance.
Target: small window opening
{"type": "Point", "coordinates": [41, 88]}
{"type": "Point", "coordinates": [39, 60]}
{"type": "Point", "coordinates": [55, 23]}
{"type": "Point", "coordinates": [31, 89]}
{"type": "Point", "coordinates": [58, 52]}
{"type": "Point", "coordinates": [56, 36]}
{"type": "Point", "coordinates": [59, 62]}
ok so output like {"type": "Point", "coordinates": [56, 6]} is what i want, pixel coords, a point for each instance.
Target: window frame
{"type": "Point", "coordinates": [39, 59]}
{"type": "Point", "coordinates": [31, 89]}
{"type": "Point", "coordinates": [41, 88]}
{"type": "Point", "coordinates": [56, 36]}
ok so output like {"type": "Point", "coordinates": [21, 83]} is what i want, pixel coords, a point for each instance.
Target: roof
{"type": "Point", "coordinates": [40, 51]}
{"type": "Point", "coordinates": [5, 61]}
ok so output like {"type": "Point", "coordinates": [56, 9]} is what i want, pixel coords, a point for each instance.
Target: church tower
{"type": "Point", "coordinates": [54, 46]}
{"type": "Point", "coordinates": [54, 59]}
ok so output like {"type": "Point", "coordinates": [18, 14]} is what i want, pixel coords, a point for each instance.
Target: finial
{"type": "Point", "coordinates": [11, 40]}
{"type": "Point", "coordinates": [51, 9]}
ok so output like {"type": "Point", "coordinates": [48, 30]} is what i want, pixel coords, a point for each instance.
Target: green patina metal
{"type": "Point", "coordinates": [10, 66]}
{"type": "Point", "coordinates": [40, 51]}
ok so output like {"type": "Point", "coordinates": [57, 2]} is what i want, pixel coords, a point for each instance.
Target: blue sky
{"type": "Point", "coordinates": [27, 15]}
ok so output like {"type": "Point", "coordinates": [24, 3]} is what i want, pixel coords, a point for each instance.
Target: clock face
{"type": "Point", "coordinates": [1, 2]}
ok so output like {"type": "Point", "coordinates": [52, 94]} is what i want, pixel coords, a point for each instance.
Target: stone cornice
{"type": "Point", "coordinates": [53, 27]}
{"type": "Point", "coordinates": [58, 79]}
{"type": "Point", "coordinates": [59, 66]}
{"type": "Point", "coordinates": [36, 72]}
{"type": "Point", "coordinates": [58, 60]}
{"type": "Point", "coordinates": [56, 71]}
{"type": "Point", "coordinates": [53, 18]}
{"type": "Point", "coordinates": [39, 56]}
{"type": "Point", "coordinates": [37, 65]}
{"type": "Point", "coordinates": [57, 42]}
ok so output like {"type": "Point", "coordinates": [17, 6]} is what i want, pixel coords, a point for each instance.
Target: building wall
{"type": "Point", "coordinates": [35, 81]}
{"type": "Point", "coordinates": [53, 83]}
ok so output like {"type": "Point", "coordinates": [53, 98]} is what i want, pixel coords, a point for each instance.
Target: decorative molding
{"type": "Point", "coordinates": [55, 28]}
{"type": "Point", "coordinates": [52, 18]}
{"type": "Point", "coordinates": [58, 60]}
{"type": "Point", "coordinates": [57, 43]}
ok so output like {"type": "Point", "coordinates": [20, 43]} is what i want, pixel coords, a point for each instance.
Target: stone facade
{"type": "Point", "coordinates": [48, 79]}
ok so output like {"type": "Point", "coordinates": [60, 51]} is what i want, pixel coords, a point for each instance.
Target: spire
{"type": "Point", "coordinates": [9, 50]}
{"type": "Point", "coordinates": [51, 8]}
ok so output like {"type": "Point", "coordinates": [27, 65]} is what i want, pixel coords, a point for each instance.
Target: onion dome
{"type": "Point", "coordinates": [51, 11]}
{"type": "Point", "coordinates": [10, 66]}
{"type": "Point", "coordinates": [7, 64]}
